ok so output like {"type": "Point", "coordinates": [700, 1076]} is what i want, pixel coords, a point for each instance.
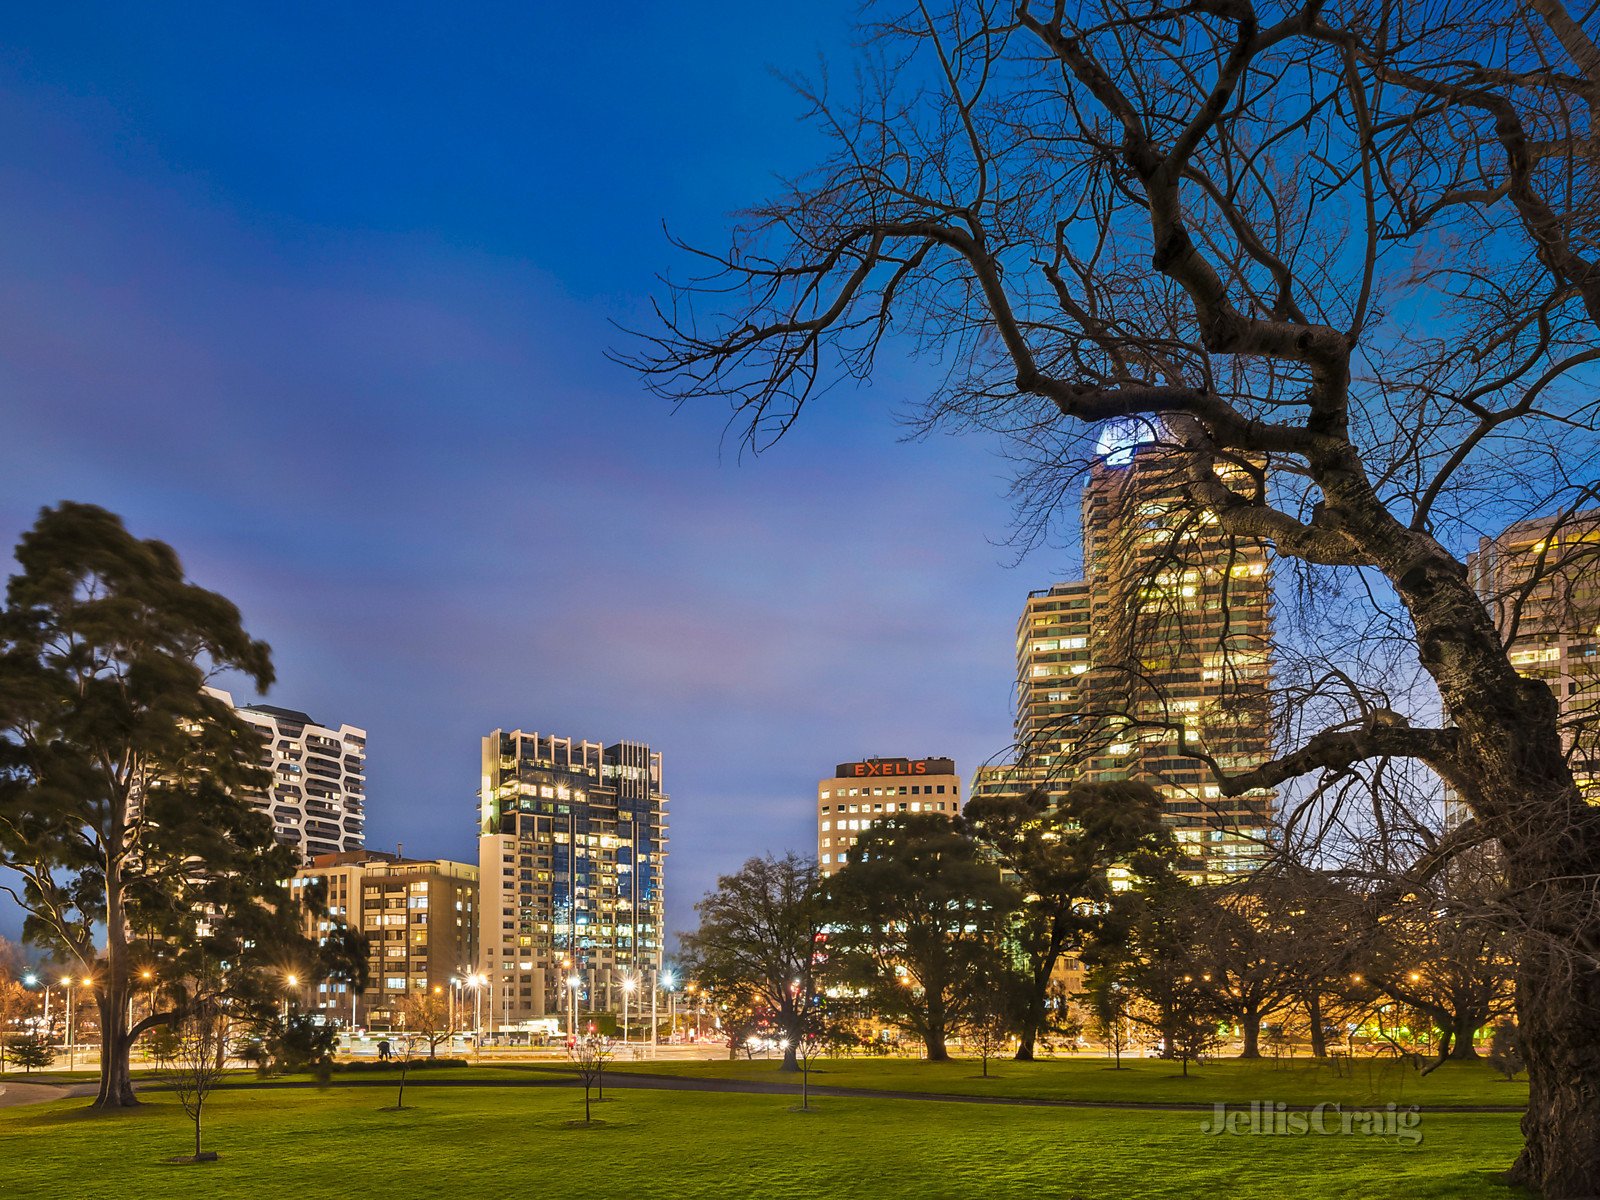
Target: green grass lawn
{"type": "Point", "coordinates": [494, 1142]}
{"type": "Point", "coordinates": [1293, 1081]}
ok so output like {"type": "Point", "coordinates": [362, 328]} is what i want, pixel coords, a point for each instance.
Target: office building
{"type": "Point", "coordinates": [1541, 581]}
{"type": "Point", "coordinates": [859, 794]}
{"type": "Point", "coordinates": [317, 795]}
{"type": "Point", "coordinates": [573, 839]}
{"type": "Point", "coordinates": [420, 919]}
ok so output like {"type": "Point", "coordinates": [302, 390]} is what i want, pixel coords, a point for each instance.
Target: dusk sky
{"type": "Point", "coordinates": [323, 300]}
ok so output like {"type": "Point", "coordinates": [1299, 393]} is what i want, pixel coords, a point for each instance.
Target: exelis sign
{"type": "Point", "coordinates": [895, 767]}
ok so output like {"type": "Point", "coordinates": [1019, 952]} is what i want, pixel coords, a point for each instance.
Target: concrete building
{"type": "Point", "coordinates": [573, 840]}
{"type": "Point", "coordinates": [317, 796]}
{"type": "Point", "coordinates": [860, 794]}
{"type": "Point", "coordinates": [1166, 641]}
{"type": "Point", "coordinates": [420, 919]}
{"type": "Point", "coordinates": [1541, 580]}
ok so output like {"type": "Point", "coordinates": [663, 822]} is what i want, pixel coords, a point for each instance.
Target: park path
{"type": "Point", "coordinates": [643, 1081]}
{"type": "Point", "coordinates": [12, 1094]}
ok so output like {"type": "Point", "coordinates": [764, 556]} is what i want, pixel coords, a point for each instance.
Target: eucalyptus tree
{"type": "Point", "coordinates": [124, 827]}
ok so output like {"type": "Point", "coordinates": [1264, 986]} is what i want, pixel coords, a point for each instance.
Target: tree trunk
{"type": "Point", "coordinates": [116, 1081]}
{"type": "Point", "coordinates": [1319, 1035]}
{"type": "Point", "coordinates": [1558, 1009]}
{"type": "Point", "coordinates": [1033, 1018]}
{"type": "Point", "coordinates": [935, 1044]}
{"type": "Point", "coordinates": [1509, 764]}
{"type": "Point", "coordinates": [1465, 1028]}
{"type": "Point", "coordinates": [1250, 1024]}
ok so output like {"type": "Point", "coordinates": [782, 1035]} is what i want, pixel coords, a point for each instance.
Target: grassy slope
{"type": "Point", "coordinates": [1297, 1081]}
{"type": "Point", "coordinates": [490, 1142]}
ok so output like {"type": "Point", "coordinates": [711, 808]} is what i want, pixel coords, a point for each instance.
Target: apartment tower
{"type": "Point", "coordinates": [1165, 646]}
{"type": "Point", "coordinates": [573, 838]}
{"type": "Point", "coordinates": [1541, 580]}
{"type": "Point", "coordinates": [317, 796]}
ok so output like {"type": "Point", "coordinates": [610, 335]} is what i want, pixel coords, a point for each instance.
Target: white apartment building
{"type": "Point", "coordinates": [318, 792]}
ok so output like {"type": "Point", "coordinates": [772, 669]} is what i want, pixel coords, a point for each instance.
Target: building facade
{"type": "Point", "coordinates": [859, 794]}
{"type": "Point", "coordinates": [420, 919]}
{"type": "Point", "coordinates": [317, 797]}
{"type": "Point", "coordinates": [571, 850]}
{"type": "Point", "coordinates": [1541, 581]}
{"type": "Point", "coordinates": [1164, 647]}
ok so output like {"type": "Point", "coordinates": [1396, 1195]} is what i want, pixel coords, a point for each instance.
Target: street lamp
{"type": "Point", "coordinates": [573, 982]}
{"type": "Point", "coordinates": [628, 984]}
{"type": "Point", "coordinates": [66, 986]}
{"type": "Point", "coordinates": [670, 981]}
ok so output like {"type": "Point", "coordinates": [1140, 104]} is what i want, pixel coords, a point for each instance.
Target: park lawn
{"type": "Point", "coordinates": [1141, 1080]}
{"type": "Point", "coordinates": [501, 1141]}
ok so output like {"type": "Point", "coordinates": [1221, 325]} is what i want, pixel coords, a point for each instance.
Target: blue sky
{"type": "Point", "coordinates": [322, 298]}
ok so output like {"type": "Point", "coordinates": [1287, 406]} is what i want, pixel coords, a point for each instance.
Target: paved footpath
{"type": "Point", "coordinates": [33, 1093]}
{"type": "Point", "coordinates": [37, 1093]}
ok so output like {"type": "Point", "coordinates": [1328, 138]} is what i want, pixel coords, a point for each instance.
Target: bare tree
{"type": "Point", "coordinates": [426, 1014]}
{"type": "Point", "coordinates": [589, 1054]}
{"type": "Point", "coordinates": [403, 1044]}
{"type": "Point", "coordinates": [1337, 263]}
{"type": "Point", "coordinates": [191, 1061]}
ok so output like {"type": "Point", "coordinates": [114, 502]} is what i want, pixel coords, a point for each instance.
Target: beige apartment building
{"type": "Point", "coordinates": [420, 919]}
{"type": "Point", "coordinates": [859, 794]}
{"type": "Point", "coordinates": [1541, 580]}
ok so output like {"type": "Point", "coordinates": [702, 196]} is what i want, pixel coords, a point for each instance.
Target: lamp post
{"type": "Point", "coordinates": [629, 983]}
{"type": "Point", "coordinates": [32, 980]}
{"type": "Point", "coordinates": [655, 1024]}
{"type": "Point", "coordinates": [291, 981]}
{"type": "Point", "coordinates": [66, 986]}
{"type": "Point", "coordinates": [572, 1006]}
{"type": "Point", "coordinates": [671, 982]}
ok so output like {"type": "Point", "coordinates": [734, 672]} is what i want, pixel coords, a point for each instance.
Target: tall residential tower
{"type": "Point", "coordinates": [1541, 580]}
{"type": "Point", "coordinates": [573, 838]}
{"type": "Point", "coordinates": [318, 792]}
{"type": "Point", "coordinates": [1165, 646]}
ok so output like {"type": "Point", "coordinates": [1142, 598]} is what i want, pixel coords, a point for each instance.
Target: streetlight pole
{"type": "Point", "coordinates": [655, 1027]}
{"type": "Point", "coordinates": [66, 985]}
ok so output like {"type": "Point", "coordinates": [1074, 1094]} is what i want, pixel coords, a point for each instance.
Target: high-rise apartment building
{"type": "Point", "coordinates": [1164, 646]}
{"type": "Point", "coordinates": [860, 794]}
{"type": "Point", "coordinates": [573, 839]}
{"type": "Point", "coordinates": [1541, 580]}
{"type": "Point", "coordinates": [317, 796]}
{"type": "Point", "coordinates": [419, 916]}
